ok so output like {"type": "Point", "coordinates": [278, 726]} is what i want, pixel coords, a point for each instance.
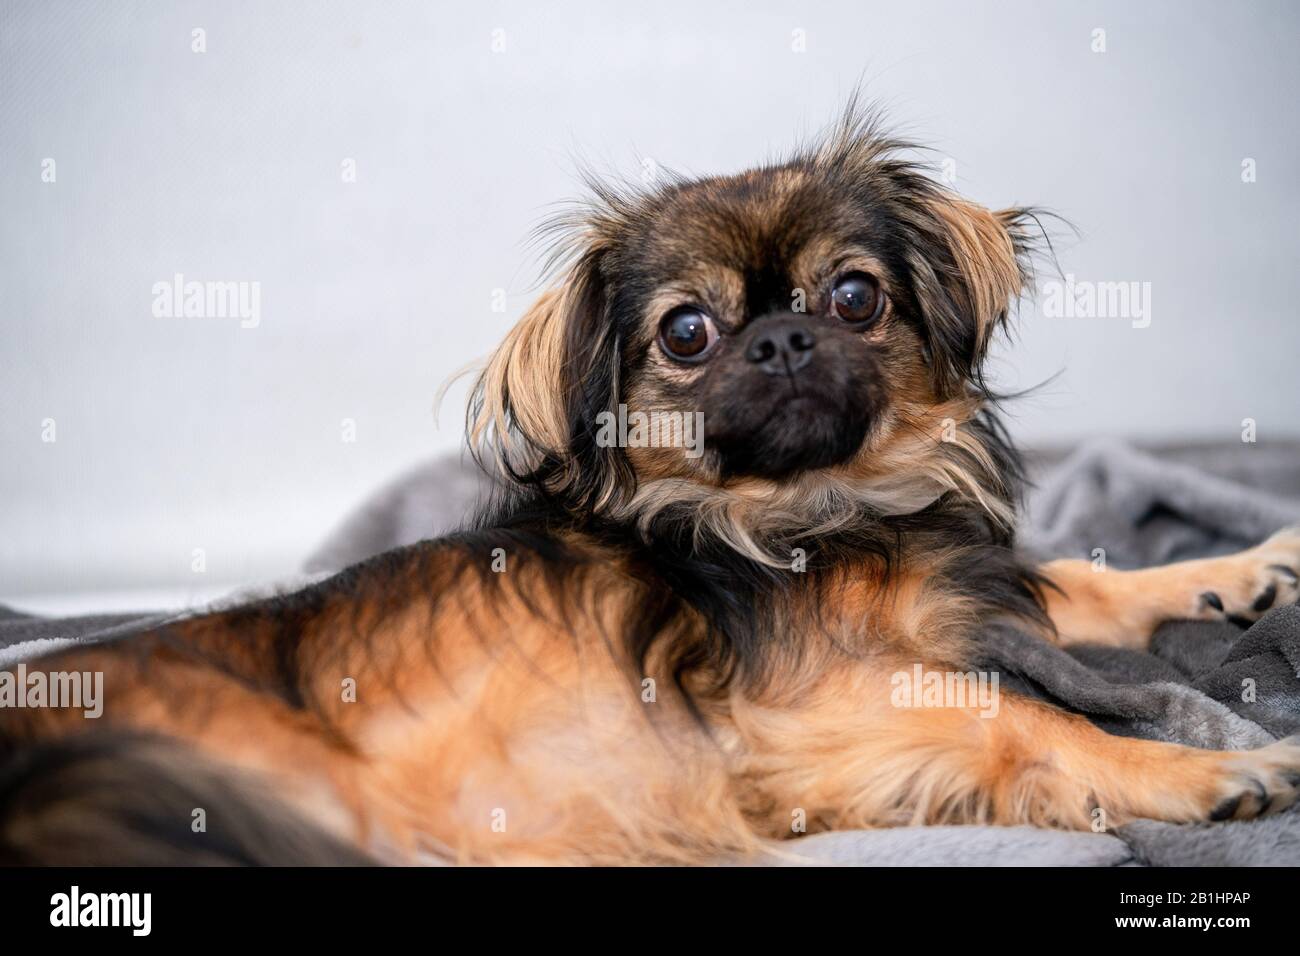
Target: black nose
{"type": "Point", "coordinates": [781, 346]}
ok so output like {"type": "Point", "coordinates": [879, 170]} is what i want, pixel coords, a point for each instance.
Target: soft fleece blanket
{"type": "Point", "coordinates": [1143, 508]}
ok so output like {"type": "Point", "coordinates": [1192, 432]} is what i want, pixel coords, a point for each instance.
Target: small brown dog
{"type": "Point", "coordinates": [645, 653]}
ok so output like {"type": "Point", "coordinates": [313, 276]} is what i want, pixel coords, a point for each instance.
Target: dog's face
{"type": "Point", "coordinates": [773, 304]}
{"type": "Point", "coordinates": [813, 317]}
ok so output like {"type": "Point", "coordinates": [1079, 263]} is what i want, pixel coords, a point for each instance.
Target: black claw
{"type": "Point", "coordinates": [1213, 600]}
{"type": "Point", "coordinates": [1241, 622]}
{"type": "Point", "coordinates": [1226, 809]}
{"type": "Point", "coordinates": [1265, 599]}
{"type": "Point", "coordinates": [1292, 778]}
{"type": "Point", "coordinates": [1283, 569]}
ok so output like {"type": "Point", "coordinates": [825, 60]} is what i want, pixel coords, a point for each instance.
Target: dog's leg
{"type": "Point", "coordinates": [1023, 762]}
{"type": "Point", "coordinates": [1123, 608]}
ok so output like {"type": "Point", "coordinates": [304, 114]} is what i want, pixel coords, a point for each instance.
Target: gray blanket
{"type": "Point", "coordinates": [1143, 508]}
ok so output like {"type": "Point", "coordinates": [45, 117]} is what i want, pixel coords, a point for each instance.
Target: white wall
{"type": "Point", "coordinates": [176, 434]}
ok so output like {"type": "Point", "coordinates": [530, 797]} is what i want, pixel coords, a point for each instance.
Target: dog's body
{"type": "Point", "coordinates": [638, 656]}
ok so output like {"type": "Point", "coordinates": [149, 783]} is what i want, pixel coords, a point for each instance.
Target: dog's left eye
{"type": "Point", "coordinates": [858, 298]}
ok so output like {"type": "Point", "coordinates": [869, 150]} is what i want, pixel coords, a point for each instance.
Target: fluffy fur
{"type": "Point", "coordinates": [639, 656]}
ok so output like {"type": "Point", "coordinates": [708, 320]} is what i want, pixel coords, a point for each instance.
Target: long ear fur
{"type": "Point", "coordinates": [533, 410]}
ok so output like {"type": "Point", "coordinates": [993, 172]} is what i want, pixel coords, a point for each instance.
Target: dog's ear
{"type": "Point", "coordinates": [966, 264]}
{"type": "Point", "coordinates": [971, 266]}
{"type": "Point", "coordinates": [533, 413]}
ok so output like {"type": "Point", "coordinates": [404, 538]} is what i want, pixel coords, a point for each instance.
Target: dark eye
{"type": "Point", "coordinates": [858, 298]}
{"type": "Point", "coordinates": [686, 334]}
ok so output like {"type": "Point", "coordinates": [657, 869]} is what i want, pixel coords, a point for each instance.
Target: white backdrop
{"type": "Point", "coordinates": [462, 122]}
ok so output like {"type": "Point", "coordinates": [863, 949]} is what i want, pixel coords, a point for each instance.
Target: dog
{"type": "Point", "coordinates": [638, 655]}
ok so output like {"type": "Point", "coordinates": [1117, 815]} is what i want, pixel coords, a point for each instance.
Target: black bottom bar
{"type": "Point", "coordinates": [619, 906]}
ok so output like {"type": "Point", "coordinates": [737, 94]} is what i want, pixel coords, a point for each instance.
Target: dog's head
{"type": "Point", "coordinates": [824, 320]}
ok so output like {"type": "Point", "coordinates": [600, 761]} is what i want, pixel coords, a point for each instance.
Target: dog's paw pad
{"type": "Point", "coordinates": [1265, 599]}
{"type": "Point", "coordinates": [1227, 809]}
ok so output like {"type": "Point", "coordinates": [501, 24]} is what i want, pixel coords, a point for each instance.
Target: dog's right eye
{"type": "Point", "coordinates": [686, 334]}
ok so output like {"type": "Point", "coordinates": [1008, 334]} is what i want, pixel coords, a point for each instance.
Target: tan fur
{"type": "Point", "coordinates": [514, 717]}
{"type": "Point", "coordinates": [838, 751]}
{"type": "Point", "coordinates": [1103, 605]}
{"type": "Point", "coordinates": [526, 369]}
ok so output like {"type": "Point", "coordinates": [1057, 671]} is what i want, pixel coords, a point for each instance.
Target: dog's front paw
{"type": "Point", "coordinates": [1241, 587]}
{"type": "Point", "coordinates": [1259, 781]}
